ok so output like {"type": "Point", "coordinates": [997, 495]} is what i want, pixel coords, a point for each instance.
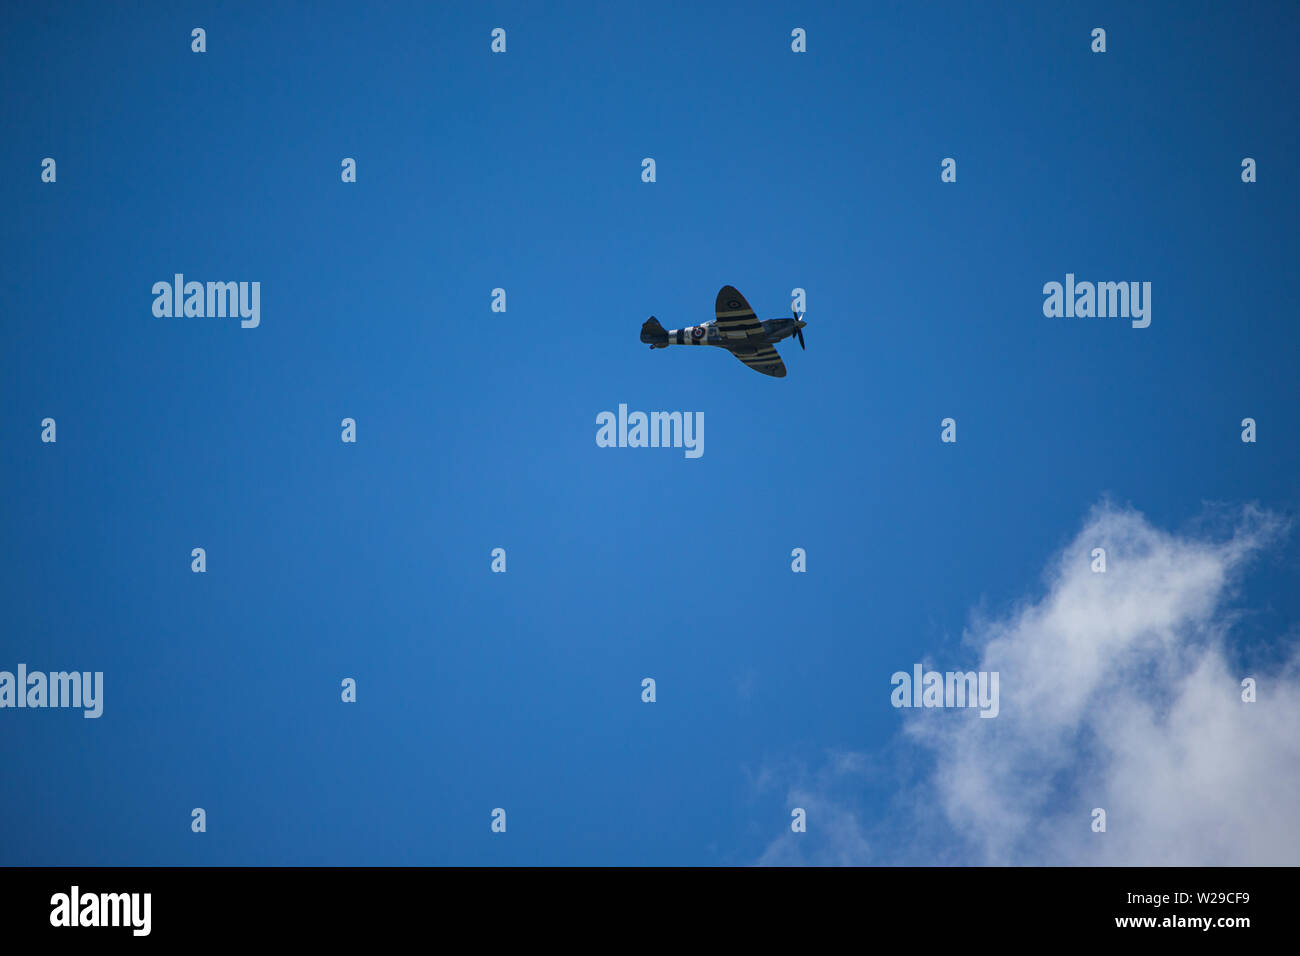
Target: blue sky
{"type": "Point", "coordinates": [476, 429]}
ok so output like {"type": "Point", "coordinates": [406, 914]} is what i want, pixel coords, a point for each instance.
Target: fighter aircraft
{"type": "Point", "coordinates": [736, 329]}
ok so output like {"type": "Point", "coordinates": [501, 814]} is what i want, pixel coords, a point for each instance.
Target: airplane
{"type": "Point", "coordinates": [734, 328]}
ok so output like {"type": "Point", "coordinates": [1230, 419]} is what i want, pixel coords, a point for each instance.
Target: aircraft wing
{"type": "Point", "coordinates": [763, 359]}
{"type": "Point", "coordinates": [736, 320]}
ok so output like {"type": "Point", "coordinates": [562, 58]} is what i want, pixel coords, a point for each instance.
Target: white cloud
{"type": "Point", "coordinates": [1117, 693]}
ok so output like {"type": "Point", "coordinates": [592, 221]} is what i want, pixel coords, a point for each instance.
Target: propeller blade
{"type": "Point", "coordinates": [801, 345]}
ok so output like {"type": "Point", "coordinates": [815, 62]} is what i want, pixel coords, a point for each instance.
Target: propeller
{"type": "Point", "coordinates": [798, 329]}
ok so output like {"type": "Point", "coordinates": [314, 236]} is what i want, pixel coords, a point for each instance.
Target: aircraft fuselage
{"type": "Point", "coordinates": [774, 330]}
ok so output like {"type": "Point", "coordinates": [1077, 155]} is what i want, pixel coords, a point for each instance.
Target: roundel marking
{"type": "Point", "coordinates": [697, 332]}
{"type": "Point", "coordinates": [733, 304]}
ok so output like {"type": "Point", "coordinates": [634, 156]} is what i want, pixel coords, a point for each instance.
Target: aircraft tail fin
{"type": "Point", "coordinates": [654, 334]}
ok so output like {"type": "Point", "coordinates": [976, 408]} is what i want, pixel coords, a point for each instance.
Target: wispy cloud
{"type": "Point", "coordinates": [836, 835]}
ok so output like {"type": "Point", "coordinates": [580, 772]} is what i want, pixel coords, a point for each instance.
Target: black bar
{"type": "Point", "coordinates": [336, 905]}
